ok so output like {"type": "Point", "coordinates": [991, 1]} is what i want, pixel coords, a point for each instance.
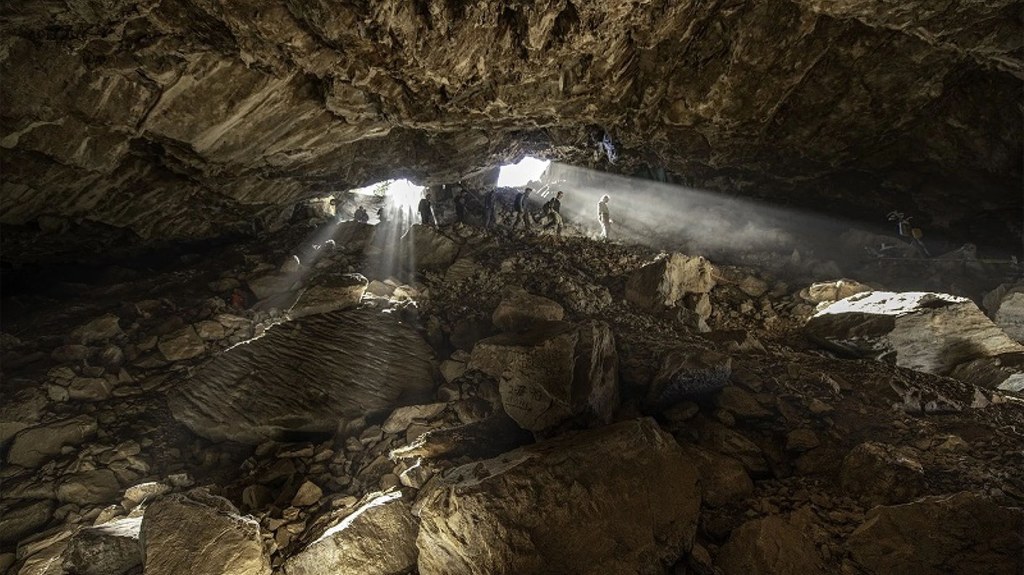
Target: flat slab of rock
{"type": "Point", "coordinates": [330, 294]}
{"type": "Point", "coordinates": [201, 534]}
{"type": "Point", "coordinates": [427, 248]}
{"type": "Point", "coordinates": [967, 534]}
{"type": "Point", "coordinates": [833, 291]}
{"type": "Point", "coordinates": [33, 446]}
{"type": "Point", "coordinates": [306, 376]}
{"type": "Point", "coordinates": [520, 310]}
{"type": "Point", "coordinates": [617, 499]}
{"type": "Point", "coordinates": [929, 332]}
{"type": "Point", "coordinates": [109, 549]}
{"type": "Point", "coordinates": [552, 372]}
{"type": "Point", "coordinates": [379, 538]}
{"type": "Point", "coordinates": [663, 283]}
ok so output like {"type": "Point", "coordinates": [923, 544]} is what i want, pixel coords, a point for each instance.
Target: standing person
{"type": "Point", "coordinates": [427, 212]}
{"type": "Point", "coordinates": [604, 217]}
{"type": "Point", "coordinates": [552, 211]}
{"type": "Point", "coordinates": [460, 207]}
{"type": "Point", "coordinates": [381, 216]}
{"type": "Point", "coordinates": [489, 208]}
{"type": "Point", "coordinates": [361, 216]}
{"type": "Point", "coordinates": [520, 207]}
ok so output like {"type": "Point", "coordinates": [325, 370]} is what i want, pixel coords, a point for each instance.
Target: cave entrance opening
{"type": "Point", "coordinates": [388, 199]}
{"type": "Point", "coordinates": [527, 170]}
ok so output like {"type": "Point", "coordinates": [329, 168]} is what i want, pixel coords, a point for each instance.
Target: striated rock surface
{"type": "Point", "coordinates": [109, 549]}
{"type": "Point", "coordinates": [306, 376]}
{"type": "Point", "coordinates": [613, 500]}
{"type": "Point", "coordinates": [663, 283]}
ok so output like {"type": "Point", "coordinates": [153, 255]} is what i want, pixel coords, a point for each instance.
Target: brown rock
{"type": "Point", "coordinates": [520, 310]}
{"type": "Point", "coordinates": [775, 544]}
{"type": "Point", "coordinates": [663, 283]}
{"type": "Point", "coordinates": [880, 474]}
{"type": "Point", "coordinates": [182, 344]}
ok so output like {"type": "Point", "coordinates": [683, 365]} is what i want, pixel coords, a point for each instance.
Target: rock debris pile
{"type": "Point", "coordinates": [511, 404]}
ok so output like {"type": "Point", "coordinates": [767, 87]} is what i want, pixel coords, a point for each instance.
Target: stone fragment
{"type": "Point", "coordinates": [401, 418]}
{"type": "Point", "coordinates": [429, 248]}
{"type": "Point", "coordinates": [663, 283]}
{"type": "Point", "coordinates": [182, 344]}
{"type": "Point", "coordinates": [452, 370]}
{"type": "Point", "coordinates": [210, 330]}
{"type": "Point", "coordinates": [833, 291]}
{"type": "Point", "coordinates": [1005, 305]}
{"type": "Point", "coordinates": [306, 375]}
{"type": "Point", "coordinates": [881, 474]}
{"type": "Point", "coordinates": [774, 544]}
{"type": "Point", "coordinates": [1004, 372]}
{"type": "Point", "coordinates": [553, 372]}
{"type": "Point", "coordinates": [378, 538]}
{"type": "Point", "coordinates": [19, 521]}
{"type": "Point", "coordinates": [308, 494]}
{"type": "Point", "coordinates": [686, 372]}
{"type": "Point", "coordinates": [89, 487]}
{"type": "Point", "coordinates": [723, 479]}
{"type": "Point", "coordinates": [929, 332]}
{"type": "Point", "coordinates": [138, 494]}
{"type": "Point", "coordinates": [965, 533]}
{"type": "Point", "coordinates": [20, 410]}
{"type": "Point", "coordinates": [266, 286]}
{"type": "Point", "coordinates": [740, 403]}
{"type": "Point", "coordinates": [109, 549]}
{"type": "Point", "coordinates": [97, 330]}
{"type": "Point", "coordinates": [520, 310]}
{"type": "Point", "coordinates": [35, 445]}
{"type": "Point", "coordinates": [330, 293]}
{"type": "Point", "coordinates": [200, 534]}
{"type": "Point", "coordinates": [111, 357]}
{"type": "Point", "coordinates": [71, 353]}
{"type": "Point", "coordinates": [616, 499]}
{"type": "Point", "coordinates": [801, 440]}
{"type": "Point", "coordinates": [89, 389]}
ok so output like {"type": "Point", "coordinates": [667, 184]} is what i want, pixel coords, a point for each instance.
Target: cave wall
{"type": "Point", "coordinates": [185, 118]}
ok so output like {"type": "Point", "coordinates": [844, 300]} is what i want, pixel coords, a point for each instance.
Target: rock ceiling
{"type": "Point", "coordinates": [184, 118]}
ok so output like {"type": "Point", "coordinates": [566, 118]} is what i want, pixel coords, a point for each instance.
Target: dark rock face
{"type": "Point", "coordinates": [184, 119]}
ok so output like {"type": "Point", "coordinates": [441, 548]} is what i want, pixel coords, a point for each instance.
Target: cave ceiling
{"type": "Point", "coordinates": [184, 118]}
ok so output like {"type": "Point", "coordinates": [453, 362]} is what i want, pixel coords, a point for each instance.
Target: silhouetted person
{"type": "Point", "coordinates": [361, 216]}
{"type": "Point", "coordinates": [552, 211]}
{"type": "Point", "coordinates": [381, 217]}
{"type": "Point", "coordinates": [604, 216]}
{"type": "Point", "coordinates": [460, 206]}
{"type": "Point", "coordinates": [427, 212]}
{"type": "Point", "coordinates": [520, 206]}
{"type": "Point", "coordinates": [489, 208]}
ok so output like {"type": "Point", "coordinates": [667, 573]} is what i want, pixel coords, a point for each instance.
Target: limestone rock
{"type": "Point", "coordinates": [97, 330]}
{"type": "Point", "coordinates": [617, 499]}
{"type": "Point", "coordinates": [881, 474]}
{"type": "Point", "coordinates": [723, 479]}
{"type": "Point", "coordinates": [685, 372]}
{"type": "Point", "coordinates": [1010, 315]}
{"type": "Point", "coordinates": [35, 445]}
{"type": "Point", "coordinates": [553, 372]}
{"type": "Point", "coordinates": [273, 284]}
{"type": "Point", "coordinates": [20, 410]}
{"type": "Point", "coordinates": [378, 538]}
{"type": "Point", "coordinates": [1004, 372]}
{"type": "Point", "coordinates": [740, 403]}
{"type": "Point", "coordinates": [520, 310]}
{"type": "Point", "coordinates": [927, 332]}
{"type": "Point", "coordinates": [663, 283]}
{"type": "Point", "coordinates": [89, 389]}
{"type": "Point", "coordinates": [109, 549]}
{"type": "Point", "coordinates": [305, 375]}
{"type": "Point", "coordinates": [429, 248]}
{"type": "Point", "coordinates": [182, 344]}
{"type": "Point", "coordinates": [89, 487]}
{"type": "Point", "coordinates": [833, 291]}
{"type": "Point", "coordinates": [401, 418]}
{"type": "Point", "coordinates": [24, 519]}
{"type": "Point", "coordinates": [774, 544]}
{"type": "Point", "coordinates": [308, 494]}
{"type": "Point", "coordinates": [217, 541]}
{"type": "Point", "coordinates": [967, 534]}
{"type": "Point", "coordinates": [330, 294]}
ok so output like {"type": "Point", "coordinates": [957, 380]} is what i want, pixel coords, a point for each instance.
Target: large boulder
{"type": "Point", "coordinates": [109, 549]}
{"type": "Point", "coordinates": [929, 332]}
{"type": "Point", "coordinates": [201, 534]}
{"type": "Point", "coordinates": [618, 499]}
{"type": "Point", "coordinates": [378, 538]}
{"type": "Point", "coordinates": [553, 372]}
{"type": "Point", "coordinates": [330, 293]}
{"type": "Point", "coordinates": [773, 544]}
{"type": "Point", "coordinates": [967, 534]}
{"type": "Point", "coordinates": [820, 292]}
{"type": "Point", "coordinates": [31, 447]}
{"type": "Point", "coordinates": [21, 410]}
{"type": "Point", "coordinates": [686, 372]}
{"type": "Point", "coordinates": [22, 520]}
{"type": "Point", "coordinates": [89, 487]}
{"type": "Point", "coordinates": [427, 248]}
{"type": "Point", "coordinates": [1009, 315]}
{"type": "Point", "coordinates": [306, 375]}
{"type": "Point", "coordinates": [520, 309]}
{"type": "Point", "coordinates": [880, 474]}
{"type": "Point", "coordinates": [97, 330]}
{"type": "Point", "coordinates": [663, 283]}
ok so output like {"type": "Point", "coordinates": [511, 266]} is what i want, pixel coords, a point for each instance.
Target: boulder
{"type": "Point", "coordinates": [929, 332]}
{"type": "Point", "coordinates": [22, 520]}
{"type": "Point", "coordinates": [21, 410]}
{"type": "Point", "coordinates": [401, 418]}
{"type": "Point", "coordinates": [330, 293]}
{"type": "Point", "coordinates": [89, 389]}
{"type": "Point", "coordinates": [553, 372]}
{"type": "Point", "coordinates": [685, 372]}
{"type": "Point", "coordinates": [771, 545]}
{"type": "Point", "coordinates": [33, 446]}
{"type": "Point", "coordinates": [428, 248]}
{"type": "Point", "coordinates": [89, 487]}
{"type": "Point", "coordinates": [109, 549]}
{"type": "Point", "coordinates": [881, 474]}
{"type": "Point", "coordinates": [97, 330]}
{"type": "Point", "coordinates": [306, 375]}
{"type": "Point", "coordinates": [663, 283]}
{"type": "Point", "coordinates": [1010, 315]}
{"type": "Point", "coordinates": [269, 285]}
{"type": "Point", "coordinates": [617, 499]}
{"type": "Point", "coordinates": [182, 344]}
{"type": "Point", "coordinates": [519, 310]}
{"type": "Point", "coordinates": [723, 478]}
{"type": "Point", "coordinates": [967, 534]}
{"type": "Point", "coordinates": [308, 494]}
{"type": "Point", "coordinates": [200, 534]}
{"type": "Point", "coordinates": [378, 538]}
{"type": "Point", "coordinates": [832, 291]}
{"type": "Point", "coordinates": [1004, 372]}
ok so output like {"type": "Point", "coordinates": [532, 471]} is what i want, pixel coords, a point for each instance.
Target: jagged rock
{"type": "Point", "coordinates": [330, 294]}
{"type": "Point", "coordinates": [881, 474]}
{"type": "Point", "coordinates": [378, 538]}
{"type": "Point", "coordinates": [1010, 315]}
{"type": "Point", "coordinates": [686, 372]}
{"type": "Point", "coordinates": [927, 332]}
{"type": "Point", "coordinates": [20, 410]}
{"type": "Point", "coordinates": [967, 534]}
{"type": "Point", "coordinates": [109, 549]}
{"type": "Point", "coordinates": [89, 389]}
{"type": "Point", "coordinates": [617, 499]}
{"type": "Point", "coordinates": [182, 344]}
{"type": "Point", "coordinates": [802, 440]}
{"type": "Point", "coordinates": [304, 375]}
{"type": "Point", "coordinates": [97, 330]}
{"type": "Point", "coordinates": [35, 445]}
{"type": "Point", "coordinates": [273, 284]}
{"type": "Point", "coordinates": [520, 309]}
{"type": "Point", "coordinates": [774, 544]}
{"type": "Point", "coordinates": [552, 372]}
{"type": "Point", "coordinates": [401, 418]}
{"type": "Point", "coordinates": [833, 291]}
{"type": "Point", "coordinates": [722, 478]}
{"type": "Point", "coordinates": [1004, 372]}
{"type": "Point", "coordinates": [210, 330]}
{"type": "Point", "coordinates": [89, 487]}
{"type": "Point", "coordinates": [19, 521]}
{"type": "Point", "coordinates": [740, 403]}
{"type": "Point", "coordinates": [217, 541]}
{"type": "Point", "coordinates": [718, 438]}
{"type": "Point", "coordinates": [138, 494]}
{"type": "Point", "coordinates": [308, 494]}
{"type": "Point", "coordinates": [429, 248]}
{"type": "Point", "coordinates": [663, 283]}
